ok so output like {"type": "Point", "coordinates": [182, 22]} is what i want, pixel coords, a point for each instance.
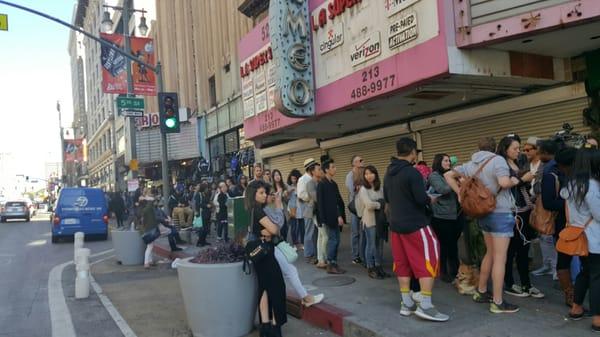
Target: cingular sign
{"type": "Point", "coordinates": [290, 41]}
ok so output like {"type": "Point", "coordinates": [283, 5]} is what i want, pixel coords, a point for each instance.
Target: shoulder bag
{"type": "Point", "coordinates": [256, 249]}
{"type": "Point", "coordinates": [151, 235]}
{"type": "Point", "coordinates": [572, 240]}
{"type": "Point", "coordinates": [198, 222]}
{"type": "Point", "coordinates": [541, 219]}
{"type": "Point", "coordinates": [290, 253]}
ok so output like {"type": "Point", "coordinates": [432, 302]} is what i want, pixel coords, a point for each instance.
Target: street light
{"type": "Point", "coordinates": [107, 22]}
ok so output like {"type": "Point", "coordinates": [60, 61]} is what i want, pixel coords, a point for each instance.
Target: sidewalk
{"type": "Point", "coordinates": [368, 307]}
{"type": "Point", "coordinates": [150, 301]}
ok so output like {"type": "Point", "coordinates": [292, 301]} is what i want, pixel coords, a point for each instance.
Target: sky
{"type": "Point", "coordinates": [34, 73]}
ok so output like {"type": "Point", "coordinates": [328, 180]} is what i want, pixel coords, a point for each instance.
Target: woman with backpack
{"type": "Point", "coordinates": [509, 149]}
{"type": "Point", "coordinates": [582, 196]}
{"type": "Point", "coordinates": [446, 221]}
{"type": "Point", "coordinates": [368, 201]}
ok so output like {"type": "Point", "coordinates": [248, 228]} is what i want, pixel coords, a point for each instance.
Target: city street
{"type": "Point", "coordinates": [26, 259]}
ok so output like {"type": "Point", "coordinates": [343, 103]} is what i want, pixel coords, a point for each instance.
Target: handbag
{"type": "Point", "coordinates": [290, 253]}
{"type": "Point", "coordinates": [151, 235]}
{"type": "Point", "coordinates": [540, 218]}
{"type": "Point", "coordinates": [352, 206]}
{"type": "Point", "coordinates": [198, 222]}
{"type": "Point", "coordinates": [256, 249]}
{"type": "Point", "coordinates": [572, 239]}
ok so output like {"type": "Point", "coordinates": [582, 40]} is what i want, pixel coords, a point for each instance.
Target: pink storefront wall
{"type": "Point", "coordinates": [424, 61]}
{"type": "Point", "coordinates": [533, 22]}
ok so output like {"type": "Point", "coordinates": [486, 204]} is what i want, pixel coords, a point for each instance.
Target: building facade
{"type": "Point", "coordinates": [197, 45]}
{"type": "Point", "coordinates": [108, 142]}
{"type": "Point", "coordinates": [77, 171]}
{"type": "Point", "coordinates": [445, 72]}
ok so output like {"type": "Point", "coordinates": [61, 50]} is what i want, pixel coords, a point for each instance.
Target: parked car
{"type": "Point", "coordinates": [80, 210]}
{"type": "Point", "coordinates": [15, 210]}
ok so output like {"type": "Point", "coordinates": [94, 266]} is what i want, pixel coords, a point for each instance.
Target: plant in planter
{"type": "Point", "coordinates": [219, 298]}
{"type": "Point", "coordinates": [222, 253]}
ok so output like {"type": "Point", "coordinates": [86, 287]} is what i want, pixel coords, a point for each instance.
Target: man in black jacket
{"type": "Point", "coordinates": [414, 246]}
{"type": "Point", "coordinates": [330, 206]}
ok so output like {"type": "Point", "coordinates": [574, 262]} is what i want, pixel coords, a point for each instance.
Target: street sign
{"type": "Point", "coordinates": [130, 103]}
{"type": "Point", "coordinates": [3, 22]}
{"type": "Point", "coordinates": [132, 113]}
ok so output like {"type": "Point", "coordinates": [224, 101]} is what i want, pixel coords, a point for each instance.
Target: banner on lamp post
{"type": "Point", "coordinates": [73, 149]}
{"type": "Point", "coordinates": [114, 66]}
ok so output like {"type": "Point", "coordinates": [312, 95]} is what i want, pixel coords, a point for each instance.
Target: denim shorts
{"type": "Point", "coordinates": [498, 224]}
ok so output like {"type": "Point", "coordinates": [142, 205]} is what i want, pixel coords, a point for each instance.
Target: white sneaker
{"type": "Point", "coordinates": [407, 311]}
{"type": "Point", "coordinates": [535, 292]}
{"type": "Point", "coordinates": [544, 270]}
{"type": "Point", "coordinates": [431, 314]}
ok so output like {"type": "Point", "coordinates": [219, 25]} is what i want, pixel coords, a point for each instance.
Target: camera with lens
{"type": "Point", "coordinates": [568, 137]}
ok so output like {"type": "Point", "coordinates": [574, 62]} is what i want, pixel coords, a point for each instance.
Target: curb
{"type": "Point", "coordinates": [322, 315]}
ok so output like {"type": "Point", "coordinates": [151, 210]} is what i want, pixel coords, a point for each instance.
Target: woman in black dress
{"type": "Point", "coordinates": [271, 286]}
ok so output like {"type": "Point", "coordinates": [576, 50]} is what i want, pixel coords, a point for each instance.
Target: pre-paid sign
{"type": "Point", "coordinates": [3, 22]}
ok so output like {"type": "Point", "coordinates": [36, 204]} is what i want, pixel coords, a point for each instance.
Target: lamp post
{"type": "Point", "coordinates": [156, 69]}
{"type": "Point", "coordinates": [107, 25]}
{"type": "Point", "coordinates": [62, 143]}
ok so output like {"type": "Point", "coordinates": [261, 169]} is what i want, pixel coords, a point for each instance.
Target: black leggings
{"type": "Point", "coordinates": [589, 278]}
{"type": "Point", "coordinates": [520, 251]}
{"type": "Point", "coordinates": [448, 232]}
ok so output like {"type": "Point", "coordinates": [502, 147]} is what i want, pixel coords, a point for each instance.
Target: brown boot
{"type": "Point", "coordinates": [564, 279]}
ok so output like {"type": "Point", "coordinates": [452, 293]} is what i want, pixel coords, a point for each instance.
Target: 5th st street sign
{"type": "Point", "coordinates": [3, 22]}
{"type": "Point", "coordinates": [130, 106]}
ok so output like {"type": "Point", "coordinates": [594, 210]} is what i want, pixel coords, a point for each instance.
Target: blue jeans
{"type": "Point", "coordinates": [374, 251]}
{"type": "Point", "coordinates": [297, 229]}
{"type": "Point", "coordinates": [358, 241]}
{"type": "Point", "coordinates": [332, 244]}
{"type": "Point", "coordinates": [310, 241]}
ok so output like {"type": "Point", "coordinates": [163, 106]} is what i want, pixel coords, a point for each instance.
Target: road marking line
{"type": "Point", "coordinates": [112, 310]}
{"type": "Point", "coordinates": [60, 317]}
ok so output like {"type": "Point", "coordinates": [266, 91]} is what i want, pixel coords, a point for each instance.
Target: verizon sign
{"type": "Point", "coordinates": [403, 30]}
{"type": "Point", "coordinates": [366, 49]}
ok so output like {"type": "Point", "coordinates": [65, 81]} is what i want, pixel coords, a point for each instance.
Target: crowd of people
{"type": "Point", "coordinates": [419, 211]}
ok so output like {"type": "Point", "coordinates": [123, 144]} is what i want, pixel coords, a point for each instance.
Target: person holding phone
{"type": "Point", "coordinates": [446, 222]}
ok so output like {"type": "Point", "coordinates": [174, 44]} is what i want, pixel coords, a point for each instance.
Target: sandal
{"type": "Point", "coordinates": [316, 300]}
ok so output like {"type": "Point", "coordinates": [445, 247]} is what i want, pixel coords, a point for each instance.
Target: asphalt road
{"type": "Point", "coordinates": [26, 258]}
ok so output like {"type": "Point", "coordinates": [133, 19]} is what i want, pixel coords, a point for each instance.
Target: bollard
{"type": "Point", "coordinates": [82, 281]}
{"type": "Point", "coordinates": [77, 243]}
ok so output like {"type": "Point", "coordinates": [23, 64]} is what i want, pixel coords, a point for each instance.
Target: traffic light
{"type": "Point", "coordinates": [169, 112]}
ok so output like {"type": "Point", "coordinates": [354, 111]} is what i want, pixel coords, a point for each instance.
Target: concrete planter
{"type": "Point", "coordinates": [220, 300]}
{"type": "Point", "coordinates": [129, 247]}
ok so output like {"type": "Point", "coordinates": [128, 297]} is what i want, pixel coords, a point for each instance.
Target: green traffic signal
{"type": "Point", "coordinates": [171, 123]}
